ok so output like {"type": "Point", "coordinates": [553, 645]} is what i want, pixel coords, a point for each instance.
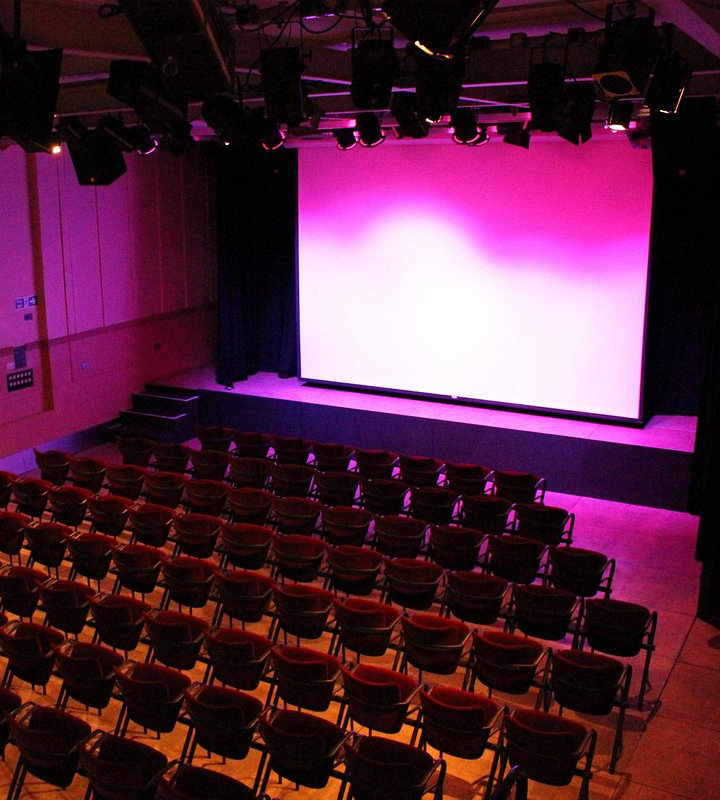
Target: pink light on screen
{"type": "Point", "coordinates": [501, 275]}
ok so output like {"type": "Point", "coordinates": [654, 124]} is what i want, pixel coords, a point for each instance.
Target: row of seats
{"type": "Point", "coordinates": [223, 720]}
{"type": "Point", "coordinates": [439, 505]}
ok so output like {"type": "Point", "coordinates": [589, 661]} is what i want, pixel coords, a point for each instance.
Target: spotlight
{"type": "Point", "coordinates": [345, 138]}
{"type": "Point", "coordinates": [667, 86]}
{"type": "Point", "coordinates": [546, 87]}
{"type": "Point", "coordinates": [437, 28]}
{"type": "Point", "coordinates": [619, 115]}
{"type": "Point", "coordinates": [409, 123]}
{"type": "Point", "coordinates": [134, 139]}
{"type": "Point", "coordinates": [56, 149]}
{"type": "Point", "coordinates": [368, 129]}
{"type": "Point", "coordinates": [281, 70]}
{"type": "Point", "coordinates": [272, 137]}
{"type": "Point", "coordinates": [515, 133]}
{"type": "Point", "coordinates": [464, 128]}
{"type": "Point", "coordinates": [626, 56]}
{"type": "Point", "coordinates": [373, 69]}
{"type": "Point", "coordinates": [142, 88]}
{"type": "Point", "coordinates": [577, 113]}
{"type": "Point", "coordinates": [97, 159]}
{"type": "Point", "coordinates": [29, 85]}
{"type": "Point", "coordinates": [188, 41]}
{"type": "Point", "coordinates": [438, 85]}
{"type": "Point", "coordinates": [234, 124]}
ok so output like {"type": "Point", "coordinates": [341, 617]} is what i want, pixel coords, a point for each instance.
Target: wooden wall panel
{"type": "Point", "coordinates": [171, 233]}
{"type": "Point", "coordinates": [81, 251]}
{"type": "Point", "coordinates": [144, 228]}
{"type": "Point", "coordinates": [116, 254]}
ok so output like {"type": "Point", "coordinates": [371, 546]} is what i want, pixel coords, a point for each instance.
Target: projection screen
{"type": "Point", "coordinates": [492, 274]}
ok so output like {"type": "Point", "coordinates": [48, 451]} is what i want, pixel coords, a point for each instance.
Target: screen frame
{"type": "Point", "coordinates": [636, 422]}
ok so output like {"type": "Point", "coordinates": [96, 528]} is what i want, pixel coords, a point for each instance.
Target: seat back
{"type": "Point", "coordinates": [121, 769]}
{"type": "Point", "coordinates": [302, 746]}
{"type": "Point", "coordinates": [546, 746]}
{"type": "Point", "coordinates": [244, 595]}
{"type": "Point", "coordinates": [475, 597]}
{"type": "Point", "coordinates": [225, 719]}
{"type": "Point", "coordinates": [378, 768]}
{"type": "Point", "coordinates": [457, 722]}
{"type": "Point", "coordinates": [238, 657]}
{"type": "Point", "coordinates": [504, 661]}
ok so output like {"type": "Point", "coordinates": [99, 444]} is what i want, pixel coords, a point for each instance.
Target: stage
{"type": "Point", "coordinates": [647, 466]}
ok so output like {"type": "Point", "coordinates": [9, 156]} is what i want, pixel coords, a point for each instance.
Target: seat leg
{"type": "Point", "coordinates": [18, 779]}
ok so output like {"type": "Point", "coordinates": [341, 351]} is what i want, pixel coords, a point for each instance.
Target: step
{"type": "Point", "coordinates": [164, 404]}
{"type": "Point", "coordinates": [173, 427]}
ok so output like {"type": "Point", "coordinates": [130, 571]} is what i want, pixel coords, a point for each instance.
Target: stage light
{"type": "Point", "coordinates": [438, 85]}
{"type": "Point", "coordinates": [669, 81]}
{"type": "Point", "coordinates": [272, 137]}
{"type": "Point", "coordinates": [515, 133]}
{"type": "Point", "coordinates": [143, 88]}
{"type": "Point", "coordinates": [619, 115]}
{"type": "Point", "coordinates": [546, 94]}
{"type": "Point", "coordinates": [437, 28]}
{"type": "Point", "coordinates": [188, 41]}
{"type": "Point", "coordinates": [29, 85]}
{"type": "Point", "coordinates": [577, 113]}
{"type": "Point", "coordinates": [409, 123]}
{"type": "Point", "coordinates": [136, 138]}
{"type": "Point", "coordinates": [374, 64]}
{"type": "Point", "coordinates": [464, 127]}
{"type": "Point", "coordinates": [97, 159]}
{"type": "Point", "coordinates": [626, 55]}
{"type": "Point", "coordinates": [56, 149]}
{"type": "Point", "coordinates": [281, 70]}
{"type": "Point", "coordinates": [369, 130]}
{"type": "Point", "coordinates": [345, 138]}
{"type": "Point", "coordinates": [234, 124]}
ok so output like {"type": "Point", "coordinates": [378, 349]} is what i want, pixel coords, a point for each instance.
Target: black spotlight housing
{"type": "Point", "coordinates": [409, 122]}
{"type": "Point", "coordinates": [281, 71]}
{"type": "Point", "coordinates": [438, 85]}
{"type": "Point", "coordinates": [369, 130]}
{"type": "Point", "coordinates": [143, 88]}
{"type": "Point", "coordinates": [576, 117]}
{"type": "Point", "coordinates": [345, 138]}
{"type": "Point", "coordinates": [136, 138]}
{"type": "Point", "coordinates": [29, 85]}
{"type": "Point", "coordinates": [97, 159]}
{"type": "Point", "coordinates": [437, 28]}
{"type": "Point", "coordinates": [234, 124]}
{"type": "Point", "coordinates": [271, 137]}
{"type": "Point", "coordinates": [515, 133]}
{"type": "Point", "coordinates": [465, 128]}
{"type": "Point", "coordinates": [620, 115]}
{"type": "Point", "coordinates": [669, 81]}
{"type": "Point", "coordinates": [546, 89]}
{"type": "Point", "coordinates": [374, 65]}
{"type": "Point", "coordinates": [627, 54]}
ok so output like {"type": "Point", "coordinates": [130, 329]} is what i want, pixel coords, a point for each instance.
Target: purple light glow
{"type": "Point", "coordinates": [502, 275]}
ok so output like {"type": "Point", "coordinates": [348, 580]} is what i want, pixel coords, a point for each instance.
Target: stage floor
{"type": "Point", "coordinates": [662, 432]}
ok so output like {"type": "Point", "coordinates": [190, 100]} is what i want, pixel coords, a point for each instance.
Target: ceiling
{"type": "Point", "coordinates": [496, 69]}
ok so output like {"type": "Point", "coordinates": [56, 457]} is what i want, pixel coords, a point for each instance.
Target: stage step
{"type": "Point", "coordinates": [165, 416]}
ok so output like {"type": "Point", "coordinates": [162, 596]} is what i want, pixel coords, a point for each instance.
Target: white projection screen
{"type": "Point", "coordinates": [492, 274]}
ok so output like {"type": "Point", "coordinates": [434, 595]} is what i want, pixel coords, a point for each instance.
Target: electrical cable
{"type": "Point", "coordinates": [585, 10]}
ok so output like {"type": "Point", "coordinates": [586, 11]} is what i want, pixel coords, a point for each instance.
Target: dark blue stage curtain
{"type": "Point", "coordinates": [257, 257]}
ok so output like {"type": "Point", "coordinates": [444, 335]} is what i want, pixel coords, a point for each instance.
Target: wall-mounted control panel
{"type": "Point", "coordinates": [20, 379]}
